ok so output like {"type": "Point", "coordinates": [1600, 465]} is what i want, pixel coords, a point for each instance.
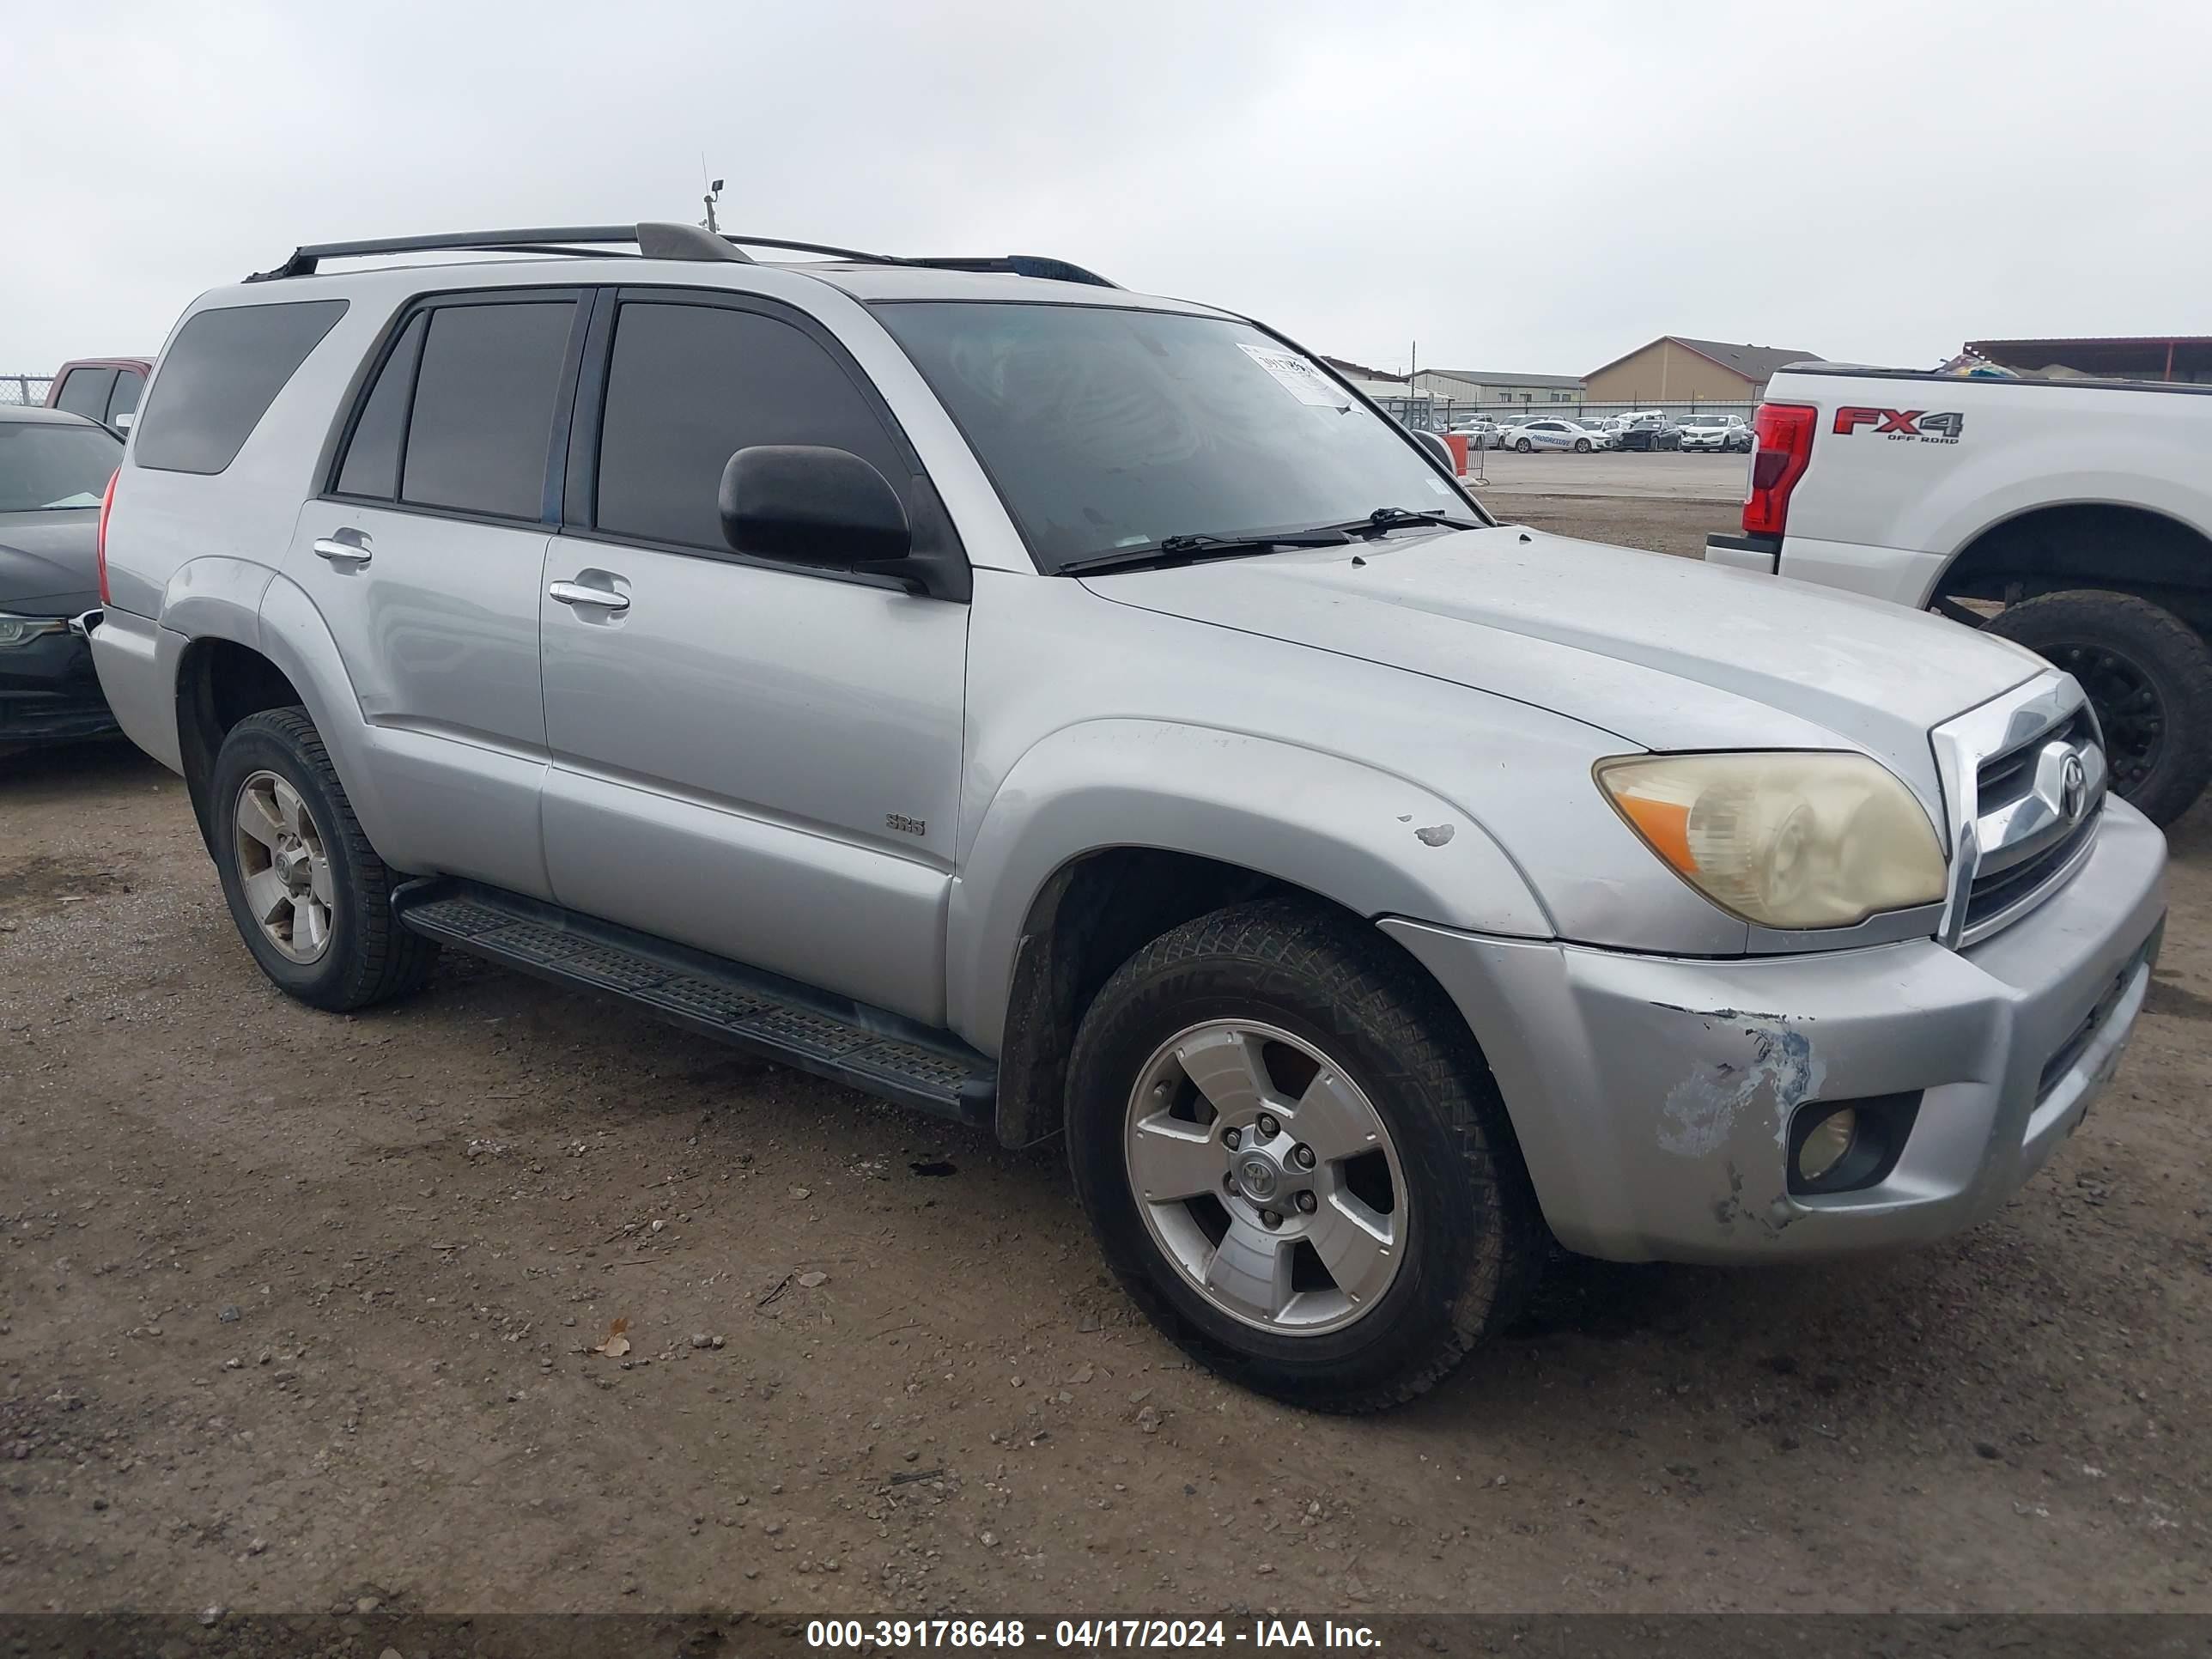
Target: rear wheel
{"type": "Point", "coordinates": [1296, 1161]}
{"type": "Point", "coordinates": [311, 897]}
{"type": "Point", "coordinates": [2149, 677]}
{"type": "Point", "coordinates": [1524, 445]}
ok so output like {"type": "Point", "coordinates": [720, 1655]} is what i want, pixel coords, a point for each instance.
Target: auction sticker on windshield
{"type": "Point", "coordinates": [1301, 379]}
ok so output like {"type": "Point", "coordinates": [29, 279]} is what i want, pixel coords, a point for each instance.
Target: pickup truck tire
{"type": "Point", "coordinates": [1318, 1005]}
{"type": "Point", "coordinates": [282, 820]}
{"type": "Point", "coordinates": [2149, 677]}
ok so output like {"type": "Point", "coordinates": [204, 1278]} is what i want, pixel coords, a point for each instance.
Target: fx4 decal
{"type": "Point", "coordinates": [1939, 428]}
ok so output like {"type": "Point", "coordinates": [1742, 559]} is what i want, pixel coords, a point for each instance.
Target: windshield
{"type": "Point", "coordinates": [44, 466]}
{"type": "Point", "coordinates": [1106, 429]}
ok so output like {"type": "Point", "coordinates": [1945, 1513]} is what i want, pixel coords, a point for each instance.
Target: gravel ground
{"type": "Point", "coordinates": [297, 1310]}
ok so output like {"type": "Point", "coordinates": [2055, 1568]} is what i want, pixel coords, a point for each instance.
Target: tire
{"type": "Point", "coordinates": [1468, 1239]}
{"type": "Point", "coordinates": [1582, 446]}
{"type": "Point", "coordinates": [364, 955]}
{"type": "Point", "coordinates": [2124, 650]}
{"type": "Point", "coordinates": [1524, 445]}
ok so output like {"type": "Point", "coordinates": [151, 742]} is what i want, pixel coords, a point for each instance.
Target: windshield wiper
{"type": "Point", "coordinates": [1183, 549]}
{"type": "Point", "coordinates": [1385, 519]}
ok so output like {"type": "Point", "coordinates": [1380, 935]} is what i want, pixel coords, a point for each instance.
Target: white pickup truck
{"type": "Point", "coordinates": [2073, 516]}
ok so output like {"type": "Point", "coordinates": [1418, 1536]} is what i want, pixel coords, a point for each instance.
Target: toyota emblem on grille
{"type": "Point", "coordinates": [2073, 788]}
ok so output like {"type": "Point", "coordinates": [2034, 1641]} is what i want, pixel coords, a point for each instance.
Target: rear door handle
{"type": "Point", "coordinates": [346, 546]}
{"type": "Point", "coordinates": [580, 593]}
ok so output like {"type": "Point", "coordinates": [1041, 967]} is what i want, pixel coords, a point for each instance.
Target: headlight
{"type": "Point", "coordinates": [21, 630]}
{"type": "Point", "coordinates": [1782, 840]}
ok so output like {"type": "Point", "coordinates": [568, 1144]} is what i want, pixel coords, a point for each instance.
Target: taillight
{"type": "Point", "coordinates": [100, 539]}
{"type": "Point", "coordinates": [1781, 450]}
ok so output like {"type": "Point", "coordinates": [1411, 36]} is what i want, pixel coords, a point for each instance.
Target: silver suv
{"type": "Point", "coordinates": [1071, 711]}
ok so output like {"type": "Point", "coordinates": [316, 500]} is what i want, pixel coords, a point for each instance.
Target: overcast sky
{"type": "Point", "coordinates": [1535, 187]}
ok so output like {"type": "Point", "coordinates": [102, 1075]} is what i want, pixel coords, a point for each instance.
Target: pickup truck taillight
{"type": "Point", "coordinates": [1779, 459]}
{"type": "Point", "coordinates": [99, 536]}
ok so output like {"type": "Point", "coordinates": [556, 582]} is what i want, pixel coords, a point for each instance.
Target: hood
{"type": "Point", "coordinates": [1666, 653]}
{"type": "Point", "coordinates": [48, 563]}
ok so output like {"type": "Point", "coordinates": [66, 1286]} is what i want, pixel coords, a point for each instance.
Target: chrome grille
{"type": "Point", "coordinates": [2025, 778]}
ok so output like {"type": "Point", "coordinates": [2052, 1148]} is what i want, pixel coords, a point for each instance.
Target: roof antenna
{"type": "Point", "coordinates": [713, 194]}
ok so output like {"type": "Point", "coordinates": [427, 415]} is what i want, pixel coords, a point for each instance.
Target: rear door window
{"type": "Point", "coordinates": [481, 426]}
{"type": "Point", "coordinates": [372, 457]}
{"type": "Point", "coordinates": [85, 392]}
{"type": "Point", "coordinates": [220, 375]}
{"type": "Point", "coordinates": [689, 385]}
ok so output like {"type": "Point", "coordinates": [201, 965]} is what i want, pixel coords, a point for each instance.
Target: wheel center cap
{"type": "Point", "coordinates": [1258, 1176]}
{"type": "Point", "coordinates": [292, 864]}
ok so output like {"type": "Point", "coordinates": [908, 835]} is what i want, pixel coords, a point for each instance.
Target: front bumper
{"type": "Point", "coordinates": [1653, 1096]}
{"type": "Point", "coordinates": [50, 693]}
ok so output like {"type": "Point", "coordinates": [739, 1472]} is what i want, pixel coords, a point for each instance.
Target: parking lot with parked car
{"type": "Point", "coordinates": [281, 1284]}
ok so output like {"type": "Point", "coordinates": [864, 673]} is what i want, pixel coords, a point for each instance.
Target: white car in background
{"type": "Point", "coordinates": [1479, 434]}
{"type": "Point", "coordinates": [1553, 433]}
{"type": "Point", "coordinates": [1723, 433]}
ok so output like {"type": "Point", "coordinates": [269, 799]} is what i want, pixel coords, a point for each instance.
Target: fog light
{"type": "Point", "coordinates": [1824, 1148]}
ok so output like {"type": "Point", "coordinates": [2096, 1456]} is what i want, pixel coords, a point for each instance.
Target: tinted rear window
{"type": "Point", "coordinates": [84, 391]}
{"type": "Point", "coordinates": [372, 459]}
{"type": "Point", "coordinates": [483, 420]}
{"type": "Point", "coordinates": [220, 375]}
{"type": "Point", "coordinates": [129, 383]}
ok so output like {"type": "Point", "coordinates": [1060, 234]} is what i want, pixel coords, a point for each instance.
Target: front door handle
{"type": "Point", "coordinates": [343, 547]}
{"type": "Point", "coordinates": [580, 593]}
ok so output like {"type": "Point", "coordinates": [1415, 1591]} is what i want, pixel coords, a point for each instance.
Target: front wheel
{"type": "Point", "coordinates": [2149, 677]}
{"type": "Point", "coordinates": [311, 897]}
{"type": "Point", "coordinates": [1297, 1162]}
{"type": "Point", "coordinates": [1524, 445]}
{"type": "Point", "coordinates": [1582, 446]}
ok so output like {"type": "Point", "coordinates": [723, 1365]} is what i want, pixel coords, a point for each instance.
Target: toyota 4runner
{"type": "Point", "coordinates": [1069, 711]}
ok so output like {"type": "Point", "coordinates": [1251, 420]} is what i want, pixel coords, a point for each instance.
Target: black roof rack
{"type": "Point", "coordinates": [657, 241]}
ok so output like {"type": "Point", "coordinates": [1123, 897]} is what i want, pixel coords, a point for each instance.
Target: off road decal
{"type": "Point", "coordinates": [1895, 423]}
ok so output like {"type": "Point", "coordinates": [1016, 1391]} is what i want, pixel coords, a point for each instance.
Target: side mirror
{"type": "Point", "coordinates": [1437, 447]}
{"type": "Point", "coordinates": [807, 504]}
{"type": "Point", "coordinates": [123, 419]}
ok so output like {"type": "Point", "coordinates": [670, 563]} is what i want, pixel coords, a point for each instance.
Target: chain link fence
{"type": "Point", "coordinates": [28, 389]}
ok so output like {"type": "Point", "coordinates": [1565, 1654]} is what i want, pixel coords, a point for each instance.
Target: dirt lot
{"type": "Point", "coordinates": [295, 1309]}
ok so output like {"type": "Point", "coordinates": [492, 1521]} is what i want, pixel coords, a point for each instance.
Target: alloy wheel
{"type": "Point", "coordinates": [1266, 1174]}
{"type": "Point", "coordinates": [283, 867]}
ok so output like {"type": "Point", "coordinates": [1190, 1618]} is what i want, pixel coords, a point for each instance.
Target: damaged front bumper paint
{"type": "Point", "coordinates": [1653, 1096]}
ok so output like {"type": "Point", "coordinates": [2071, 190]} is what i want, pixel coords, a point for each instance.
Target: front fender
{"type": "Point", "coordinates": [1370, 840]}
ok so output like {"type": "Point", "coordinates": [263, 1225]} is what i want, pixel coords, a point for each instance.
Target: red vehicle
{"type": "Point", "coordinates": [102, 389]}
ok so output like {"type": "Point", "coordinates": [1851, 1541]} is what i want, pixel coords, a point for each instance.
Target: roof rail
{"type": "Point", "coordinates": [1021, 264]}
{"type": "Point", "coordinates": [654, 240]}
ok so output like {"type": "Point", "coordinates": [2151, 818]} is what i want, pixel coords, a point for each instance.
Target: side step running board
{"type": "Point", "coordinates": [777, 1019]}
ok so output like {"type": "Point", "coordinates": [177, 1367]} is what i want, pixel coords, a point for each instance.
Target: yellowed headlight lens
{"type": "Point", "coordinates": [1789, 841]}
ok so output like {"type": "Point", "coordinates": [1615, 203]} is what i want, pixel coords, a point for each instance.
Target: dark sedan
{"type": "Point", "coordinates": [1649, 432]}
{"type": "Point", "coordinates": [54, 468]}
